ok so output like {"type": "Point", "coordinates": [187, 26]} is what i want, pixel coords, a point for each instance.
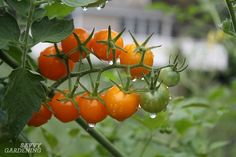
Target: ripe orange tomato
{"type": "Point", "coordinates": [41, 117]}
{"type": "Point", "coordinates": [64, 110]}
{"type": "Point", "coordinates": [92, 110]}
{"type": "Point", "coordinates": [131, 58]}
{"type": "Point", "coordinates": [101, 49]}
{"type": "Point", "coordinates": [70, 43]}
{"type": "Point", "coordinates": [52, 67]}
{"type": "Point", "coordinates": [120, 105]}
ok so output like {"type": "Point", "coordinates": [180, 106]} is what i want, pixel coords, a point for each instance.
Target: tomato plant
{"type": "Point", "coordinates": [25, 24]}
{"type": "Point", "coordinates": [51, 66]}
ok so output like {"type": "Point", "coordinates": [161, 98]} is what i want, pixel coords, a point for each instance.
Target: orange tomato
{"type": "Point", "coordinates": [120, 105]}
{"type": "Point", "coordinates": [41, 117]}
{"type": "Point", "coordinates": [52, 67]}
{"type": "Point", "coordinates": [64, 110]}
{"type": "Point", "coordinates": [71, 43]}
{"type": "Point", "coordinates": [101, 49]}
{"type": "Point", "coordinates": [131, 58]}
{"type": "Point", "coordinates": [92, 110]}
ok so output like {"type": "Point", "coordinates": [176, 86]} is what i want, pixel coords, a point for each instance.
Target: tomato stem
{"type": "Point", "coordinates": [231, 12]}
{"type": "Point", "coordinates": [8, 60]}
{"type": "Point", "coordinates": [100, 138]}
{"type": "Point", "coordinates": [26, 37]}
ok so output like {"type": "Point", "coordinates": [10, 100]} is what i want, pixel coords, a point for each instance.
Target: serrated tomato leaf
{"type": "Point", "coordinates": [58, 10]}
{"type": "Point", "coordinates": [78, 3]}
{"type": "Point", "coordinates": [20, 7]}
{"type": "Point", "coordinates": [9, 30]}
{"type": "Point", "coordinates": [24, 95]}
{"type": "Point", "coordinates": [53, 30]}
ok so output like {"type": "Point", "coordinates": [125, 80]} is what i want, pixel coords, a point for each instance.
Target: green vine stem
{"type": "Point", "coordinates": [232, 14]}
{"type": "Point", "coordinates": [26, 37]}
{"type": "Point", "coordinates": [100, 138]}
{"type": "Point", "coordinates": [7, 59]}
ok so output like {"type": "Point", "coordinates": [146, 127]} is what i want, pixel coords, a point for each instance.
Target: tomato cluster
{"type": "Point", "coordinates": [118, 102]}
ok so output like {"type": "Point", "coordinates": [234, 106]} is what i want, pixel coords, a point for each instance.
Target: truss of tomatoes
{"type": "Point", "coordinates": [114, 102]}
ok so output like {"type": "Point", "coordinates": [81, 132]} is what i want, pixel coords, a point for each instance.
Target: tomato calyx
{"type": "Point", "coordinates": [81, 46]}
{"type": "Point", "coordinates": [175, 64]}
{"type": "Point", "coordinates": [142, 48]}
{"type": "Point", "coordinates": [111, 44]}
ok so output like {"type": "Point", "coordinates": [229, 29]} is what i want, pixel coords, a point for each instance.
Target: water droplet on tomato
{"type": "Point", "coordinates": [153, 115]}
{"type": "Point", "coordinates": [91, 125]}
{"type": "Point", "coordinates": [84, 8]}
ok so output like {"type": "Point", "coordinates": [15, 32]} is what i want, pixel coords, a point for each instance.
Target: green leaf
{"type": "Point", "coordinates": [9, 30]}
{"type": "Point", "coordinates": [1, 3]}
{"type": "Point", "coordinates": [20, 7]}
{"type": "Point", "coordinates": [50, 138]}
{"type": "Point", "coordinates": [153, 123]}
{"type": "Point", "coordinates": [218, 144]}
{"type": "Point", "coordinates": [58, 10]}
{"type": "Point", "coordinates": [78, 3]}
{"type": "Point", "coordinates": [227, 27]}
{"type": "Point", "coordinates": [24, 95]}
{"type": "Point", "coordinates": [16, 54]}
{"type": "Point", "coordinates": [74, 132]}
{"type": "Point", "coordinates": [51, 30]}
{"type": "Point", "coordinates": [195, 102]}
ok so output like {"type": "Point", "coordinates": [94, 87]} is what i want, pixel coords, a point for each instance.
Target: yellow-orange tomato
{"type": "Point", "coordinates": [52, 67]}
{"type": "Point", "coordinates": [64, 110]}
{"type": "Point", "coordinates": [100, 49]}
{"type": "Point", "coordinates": [41, 117]}
{"type": "Point", "coordinates": [120, 105]}
{"type": "Point", "coordinates": [92, 110]}
{"type": "Point", "coordinates": [71, 43]}
{"type": "Point", "coordinates": [131, 58]}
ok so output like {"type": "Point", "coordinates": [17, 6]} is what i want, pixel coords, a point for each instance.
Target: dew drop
{"type": "Point", "coordinates": [84, 8]}
{"type": "Point", "coordinates": [139, 106]}
{"type": "Point", "coordinates": [134, 80]}
{"type": "Point", "coordinates": [153, 115]}
{"type": "Point", "coordinates": [142, 78]}
{"type": "Point", "coordinates": [91, 125]}
{"type": "Point", "coordinates": [99, 8]}
{"type": "Point", "coordinates": [170, 98]}
{"type": "Point", "coordinates": [167, 87]}
{"type": "Point", "coordinates": [110, 62]}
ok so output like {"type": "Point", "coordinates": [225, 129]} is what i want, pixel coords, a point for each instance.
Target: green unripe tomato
{"type": "Point", "coordinates": [169, 76]}
{"type": "Point", "coordinates": [155, 102]}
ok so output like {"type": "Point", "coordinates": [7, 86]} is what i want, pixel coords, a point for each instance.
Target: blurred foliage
{"type": "Point", "coordinates": [193, 15]}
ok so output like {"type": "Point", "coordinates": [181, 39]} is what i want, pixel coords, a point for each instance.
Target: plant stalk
{"type": "Point", "coordinates": [26, 37]}
{"type": "Point", "coordinates": [99, 138]}
{"type": "Point", "coordinates": [232, 14]}
{"type": "Point", "coordinates": [8, 60]}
